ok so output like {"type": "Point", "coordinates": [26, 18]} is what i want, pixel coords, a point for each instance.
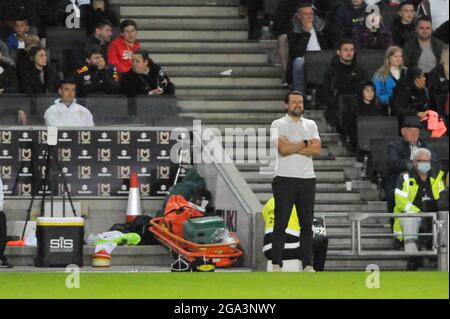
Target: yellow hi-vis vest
{"type": "Point", "coordinates": [405, 196]}
{"type": "Point", "coordinates": [292, 230]}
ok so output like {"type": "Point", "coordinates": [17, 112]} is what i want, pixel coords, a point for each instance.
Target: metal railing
{"type": "Point", "coordinates": [440, 224]}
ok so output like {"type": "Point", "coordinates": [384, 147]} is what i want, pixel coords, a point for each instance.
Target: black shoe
{"type": "Point", "coordinates": [5, 264]}
{"type": "Point", "coordinates": [413, 264]}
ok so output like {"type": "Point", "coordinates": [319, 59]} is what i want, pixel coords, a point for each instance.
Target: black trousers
{"type": "Point", "coordinates": [288, 192]}
{"type": "Point", "coordinates": [252, 7]}
{"type": "Point", "coordinates": [2, 234]}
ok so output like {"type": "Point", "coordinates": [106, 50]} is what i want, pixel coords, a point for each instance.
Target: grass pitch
{"type": "Point", "coordinates": [257, 285]}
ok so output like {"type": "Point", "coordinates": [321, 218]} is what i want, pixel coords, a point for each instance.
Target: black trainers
{"type": "Point", "coordinates": [4, 263]}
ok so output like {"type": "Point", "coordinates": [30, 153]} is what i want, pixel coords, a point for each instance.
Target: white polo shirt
{"type": "Point", "coordinates": [295, 165]}
{"type": "Point", "coordinates": [75, 115]}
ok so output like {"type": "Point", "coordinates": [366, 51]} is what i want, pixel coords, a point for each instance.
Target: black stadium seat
{"type": "Point", "coordinates": [370, 127]}
{"type": "Point", "coordinates": [318, 62]}
{"type": "Point", "coordinates": [378, 162]}
{"type": "Point", "coordinates": [440, 147]}
{"type": "Point", "coordinates": [154, 108]}
{"type": "Point", "coordinates": [107, 105]}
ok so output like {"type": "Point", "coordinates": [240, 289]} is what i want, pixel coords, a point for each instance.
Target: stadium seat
{"type": "Point", "coordinates": [107, 105]}
{"type": "Point", "coordinates": [378, 161]}
{"type": "Point", "coordinates": [370, 61]}
{"type": "Point", "coordinates": [370, 127]}
{"type": "Point", "coordinates": [389, 13]}
{"type": "Point", "coordinates": [440, 147]}
{"type": "Point", "coordinates": [10, 104]}
{"type": "Point", "coordinates": [316, 65]}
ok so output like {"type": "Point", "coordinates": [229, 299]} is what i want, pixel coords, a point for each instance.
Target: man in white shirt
{"type": "Point", "coordinates": [297, 140]}
{"type": "Point", "coordinates": [65, 111]}
{"type": "Point", "coordinates": [3, 260]}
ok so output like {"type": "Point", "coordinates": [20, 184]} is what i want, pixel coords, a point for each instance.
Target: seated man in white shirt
{"type": "Point", "coordinates": [65, 111]}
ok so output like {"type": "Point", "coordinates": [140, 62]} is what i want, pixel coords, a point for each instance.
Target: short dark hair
{"type": "Point", "coordinates": [345, 41]}
{"type": "Point", "coordinates": [102, 23]}
{"type": "Point", "coordinates": [406, 3]}
{"type": "Point", "coordinates": [142, 52]}
{"type": "Point", "coordinates": [306, 4]}
{"type": "Point", "coordinates": [294, 92]}
{"type": "Point", "coordinates": [67, 81]}
{"type": "Point", "coordinates": [423, 18]}
{"type": "Point", "coordinates": [127, 23]}
{"type": "Point", "coordinates": [34, 50]}
{"type": "Point", "coordinates": [21, 18]}
{"type": "Point", "coordinates": [92, 49]}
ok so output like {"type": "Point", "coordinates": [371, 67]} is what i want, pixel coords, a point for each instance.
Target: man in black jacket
{"type": "Point", "coordinates": [343, 77]}
{"type": "Point", "coordinates": [425, 50]}
{"type": "Point", "coordinates": [96, 76]}
{"type": "Point", "coordinates": [403, 28]}
{"type": "Point", "coordinates": [350, 14]}
{"type": "Point", "coordinates": [400, 155]}
{"type": "Point", "coordinates": [101, 37]}
{"type": "Point", "coordinates": [308, 33]}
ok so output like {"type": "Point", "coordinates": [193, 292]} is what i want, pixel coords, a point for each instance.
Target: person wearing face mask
{"type": "Point", "coordinates": [416, 190]}
{"type": "Point", "coordinates": [145, 77]}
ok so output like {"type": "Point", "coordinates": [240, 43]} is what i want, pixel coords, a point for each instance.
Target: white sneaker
{"type": "Point", "coordinates": [309, 269]}
{"type": "Point", "coordinates": [276, 268]}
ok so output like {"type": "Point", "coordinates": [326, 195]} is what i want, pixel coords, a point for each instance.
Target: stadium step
{"type": "Point", "coordinates": [191, 3]}
{"type": "Point", "coordinates": [197, 56]}
{"type": "Point", "coordinates": [151, 45]}
{"type": "Point", "coordinates": [166, 10]}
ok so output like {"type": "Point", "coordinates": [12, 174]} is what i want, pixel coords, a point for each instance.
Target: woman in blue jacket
{"type": "Point", "coordinates": [387, 77]}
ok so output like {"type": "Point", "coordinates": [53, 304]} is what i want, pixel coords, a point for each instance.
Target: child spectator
{"type": "Point", "coordinates": [379, 37]}
{"type": "Point", "coordinates": [367, 105]}
{"type": "Point", "coordinates": [387, 77]}
{"type": "Point", "coordinates": [403, 29]}
{"type": "Point", "coordinates": [121, 50]}
{"type": "Point", "coordinates": [16, 41]}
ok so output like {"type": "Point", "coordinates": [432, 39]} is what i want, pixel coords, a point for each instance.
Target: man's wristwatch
{"type": "Point", "coordinates": [306, 142]}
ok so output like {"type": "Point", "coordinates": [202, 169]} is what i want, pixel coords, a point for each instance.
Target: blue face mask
{"type": "Point", "coordinates": [424, 167]}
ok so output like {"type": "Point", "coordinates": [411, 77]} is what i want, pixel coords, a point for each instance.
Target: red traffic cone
{"type": "Point", "coordinates": [134, 199]}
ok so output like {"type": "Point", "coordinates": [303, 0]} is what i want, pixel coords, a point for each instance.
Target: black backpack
{"type": "Point", "coordinates": [140, 225]}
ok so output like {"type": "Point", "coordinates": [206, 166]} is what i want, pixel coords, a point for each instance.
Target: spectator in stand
{"type": "Point", "coordinates": [145, 77]}
{"type": "Point", "coordinates": [387, 77]}
{"type": "Point", "coordinates": [96, 76]}
{"type": "Point", "coordinates": [350, 14]}
{"type": "Point", "coordinates": [121, 50]}
{"type": "Point", "coordinates": [441, 33]}
{"type": "Point", "coordinates": [38, 77]}
{"type": "Point", "coordinates": [417, 190]}
{"type": "Point", "coordinates": [16, 41]}
{"type": "Point", "coordinates": [367, 105]}
{"type": "Point", "coordinates": [410, 97]}
{"type": "Point", "coordinates": [97, 12]}
{"type": "Point", "coordinates": [400, 155]}
{"type": "Point", "coordinates": [404, 29]}
{"type": "Point", "coordinates": [101, 37]}
{"type": "Point", "coordinates": [437, 81]}
{"type": "Point", "coordinates": [4, 54]}
{"type": "Point", "coordinates": [282, 24]}
{"type": "Point", "coordinates": [65, 111]}
{"type": "Point", "coordinates": [424, 51]}
{"type": "Point", "coordinates": [379, 37]}
{"type": "Point", "coordinates": [8, 77]}
{"type": "Point", "coordinates": [436, 10]}
{"type": "Point", "coordinates": [343, 77]}
{"type": "Point", "coordinates": [308, 33]}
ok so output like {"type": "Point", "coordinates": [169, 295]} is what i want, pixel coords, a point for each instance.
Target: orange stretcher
{"type": "Point", "coordinates": [221, 255]}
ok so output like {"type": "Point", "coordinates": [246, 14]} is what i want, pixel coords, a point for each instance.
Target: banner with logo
{"type": "Point", "coordinates": [95, 162]}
